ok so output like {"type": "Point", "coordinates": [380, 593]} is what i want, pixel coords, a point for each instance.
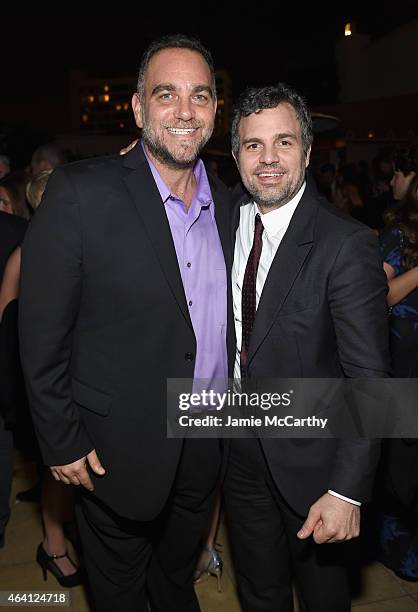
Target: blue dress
{"type": "Point", "coordinates": [403, 320]}
{"type": "Point", "coordinates": [398, 527]}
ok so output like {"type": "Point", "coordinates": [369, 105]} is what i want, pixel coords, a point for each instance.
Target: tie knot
{"type": "Point", "coordinates": [258, 225]}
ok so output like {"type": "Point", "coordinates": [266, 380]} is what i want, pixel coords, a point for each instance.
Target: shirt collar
{"type": "Point", "coordinates": [278, 219]}
{"type": "Point", "coordinates": [203, 194]}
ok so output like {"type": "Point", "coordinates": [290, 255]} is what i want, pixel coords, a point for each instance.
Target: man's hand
{"type": "Point", "coordinates": [76, 473]}
{"type": "Point", "coordinates": [128, 148]}
{"type": "Point", "coordinates": [331, 519]}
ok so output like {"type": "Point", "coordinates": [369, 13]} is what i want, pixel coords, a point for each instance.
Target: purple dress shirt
{"type": "Point", "coordinates": [202, 268]}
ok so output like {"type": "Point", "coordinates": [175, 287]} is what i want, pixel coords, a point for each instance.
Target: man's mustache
{"type": "Point", "coordinates": [270, 168]}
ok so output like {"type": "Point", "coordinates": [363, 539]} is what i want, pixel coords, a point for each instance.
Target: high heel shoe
{"type": "Point", "coordinates": [47, 562]}
{"type": "Point", "coordinates": [213, 568]}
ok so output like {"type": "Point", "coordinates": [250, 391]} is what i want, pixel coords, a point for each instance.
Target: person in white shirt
{"type": "Point", "coordinates": [309, 302]}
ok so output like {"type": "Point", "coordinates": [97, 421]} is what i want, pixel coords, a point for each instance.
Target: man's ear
{"type": "Point", "coordinates": [137, 109]}
{"type": "Point", "coordinates": [235, 159]}
{"type": "Point", "coordinates": [308, 157]}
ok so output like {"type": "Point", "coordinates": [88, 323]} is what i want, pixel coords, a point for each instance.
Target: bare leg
{"type": "Point", "coordinates": [57, 506]}
{"type": "Point", "coordinates": [206, 555]}
{"type": "Point", "coordinates": [213, 528]}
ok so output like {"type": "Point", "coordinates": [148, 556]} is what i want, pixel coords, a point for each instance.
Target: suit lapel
{"type": "Point", "coordinates": [289, 259]}
{"type": "Point", "coordinates": [222, 218]}
{"type": "Point", "coordinates": [148, 203]}
{"type": "Point", "coordinates": [223, 222]}
{"type": "Point", "coordinates": [236, 211]}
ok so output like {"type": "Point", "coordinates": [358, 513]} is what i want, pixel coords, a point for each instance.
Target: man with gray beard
{"type": "Point", "coordinates": [124, 285]}
{"type": "Point", "coordinates": [309, 298]}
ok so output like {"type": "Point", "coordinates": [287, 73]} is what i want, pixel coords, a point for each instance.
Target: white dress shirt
{"type": "Point", "coordinates": [275, 223]}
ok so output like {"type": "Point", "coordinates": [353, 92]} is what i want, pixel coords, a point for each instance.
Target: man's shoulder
{"type": "Point", "coordinates": [92, 167]}
{"type": "Point", "coordinates": [90, 178]}
{"type": "Point", "coordinates": [330, 218]}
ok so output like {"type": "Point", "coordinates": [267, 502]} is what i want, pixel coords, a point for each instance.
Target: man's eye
{"type": "Point", "coordinates": [252, 146]}
{"type": "Point", "coordinates": [201, 98]}
{"type": "Point", "coordinates": [284, 143]}
{"type": "Point", "coordinates": [166, 96]}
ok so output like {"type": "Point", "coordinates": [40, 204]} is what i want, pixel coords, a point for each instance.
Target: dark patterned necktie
{"type": "Point", "coordinates": [249, 300]}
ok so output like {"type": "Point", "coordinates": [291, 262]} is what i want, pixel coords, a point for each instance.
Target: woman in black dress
{"type": "Point", "coordinates": [57, 500]}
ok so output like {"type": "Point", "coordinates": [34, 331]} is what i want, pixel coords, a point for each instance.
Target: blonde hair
{"type": "Point", "coordinates": [36, 187]}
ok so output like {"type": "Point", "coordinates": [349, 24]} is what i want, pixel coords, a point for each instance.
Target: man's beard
{"type": "Point", "coordinates": [275, 198]}
{"type": "Point", "coordinates": [161, 152]}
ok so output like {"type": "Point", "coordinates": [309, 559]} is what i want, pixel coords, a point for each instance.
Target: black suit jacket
{"type": "Point", "coordinates": [103, 324]}
{"type": "Point", "coordinates": [322, 314]}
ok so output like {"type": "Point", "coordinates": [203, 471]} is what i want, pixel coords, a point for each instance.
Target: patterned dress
{"type": "Point", "coordinates": [404, 315]}
{"type": "Point", "coordinates": [399, 523]}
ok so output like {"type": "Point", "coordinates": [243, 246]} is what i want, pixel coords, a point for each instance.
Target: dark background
{"type": "Point", "coordinates": [268, 42]}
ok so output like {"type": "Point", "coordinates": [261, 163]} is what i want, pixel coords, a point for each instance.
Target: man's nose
{"type": "Point", "coordinates": [184, 108]}
{"type": "Point", "coordinates": [269, 155]}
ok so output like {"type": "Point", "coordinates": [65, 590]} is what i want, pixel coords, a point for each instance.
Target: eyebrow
{"type": "Point", "coordinates": [163, 87]}
{"type": "Point", "coordinates": [171, 87]}
{"type": "Point", "coordinates": [248, 140]}
{"type": "Point", "coordinates": [200, 88]}
{"type": "Point", "coordinates": [276, 136]}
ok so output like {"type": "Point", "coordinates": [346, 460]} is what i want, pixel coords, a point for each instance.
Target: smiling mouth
{"type": "Point", "coordinates": [270, 174]}
{"type": "Point", "coordinates": [181, 131]}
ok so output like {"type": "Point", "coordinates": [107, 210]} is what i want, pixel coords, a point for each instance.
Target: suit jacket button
{"type": "Point", "coordinates": [189, 356]}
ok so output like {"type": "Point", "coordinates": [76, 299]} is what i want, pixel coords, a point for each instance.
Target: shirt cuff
{"type": "Point", "coordinates": [347, 499]}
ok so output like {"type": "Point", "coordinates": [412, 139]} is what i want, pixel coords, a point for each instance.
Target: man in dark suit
{"type": "Point", "coordinates": [124, 286]}
{"type": "Point", "coordinates": [12, 230]}
{"type": "Point", "coordinates": [309, 302]}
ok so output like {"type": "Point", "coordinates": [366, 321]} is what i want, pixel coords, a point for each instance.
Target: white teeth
{"type": "Point", "coordinates": [180, 131]}
{"type": "Point", "coordinates": [271, 174]}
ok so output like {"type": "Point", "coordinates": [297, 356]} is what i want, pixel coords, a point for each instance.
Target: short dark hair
{"type": "Point", "coordinates": [52, 153]}
{"type": "Point", "coordinates": [5, 160]}
{"type": "Point", "coordinates": [406, 160]}
{"type": "Point", "coordinates": [256, 99]}
{"type": "Point", "coordinates": [404, 214]}
{"type": "Point", "coordinates": [174, 41]}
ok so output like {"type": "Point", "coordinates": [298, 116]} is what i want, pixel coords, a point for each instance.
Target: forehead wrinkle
{"type": "Point", "coordinates": [175, 62]}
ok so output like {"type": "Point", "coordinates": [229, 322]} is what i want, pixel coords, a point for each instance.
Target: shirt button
{"type": "Point", "coordinates": [190, 303]}
{"type": "Point", "coordinates": [189, 356]}
{"type": "Point", "coordinates": [189, 265]}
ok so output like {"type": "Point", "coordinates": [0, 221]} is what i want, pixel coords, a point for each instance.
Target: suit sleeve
{"type": "Point", "coordinates": [357, 298]}
{"type": "Point", "coordinates": [51, 277]}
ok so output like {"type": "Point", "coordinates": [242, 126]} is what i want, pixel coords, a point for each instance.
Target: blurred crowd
{"type": "Point", "coordinates": [382, 195]}
{"type": "Point", "coordinates": [362, 190]}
